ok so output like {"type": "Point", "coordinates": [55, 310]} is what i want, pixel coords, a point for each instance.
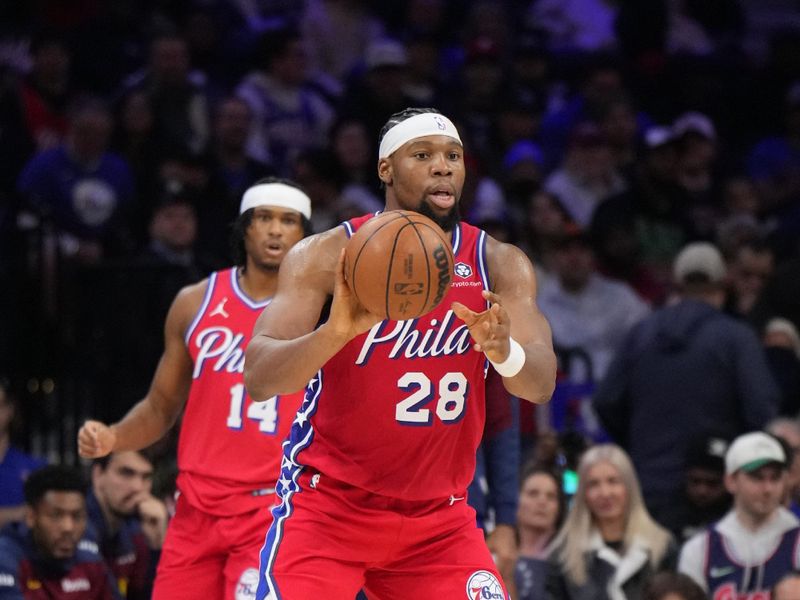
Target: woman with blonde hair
{"type": "Point", "coordinates": [609, 544]}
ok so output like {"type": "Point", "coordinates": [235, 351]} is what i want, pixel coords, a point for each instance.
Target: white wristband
{"type": "Point", "coordinates": [515, 361]}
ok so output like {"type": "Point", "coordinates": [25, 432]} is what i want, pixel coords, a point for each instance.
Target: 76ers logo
{"type": "Point", "coordinates": [483, 585]}
{"type": "Point", "coordinates": [247, 584]}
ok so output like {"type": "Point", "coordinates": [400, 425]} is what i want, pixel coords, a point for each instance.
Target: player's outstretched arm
{"type": "Point", "coordinates": [514, 315]}
{"type": "Point", "coordinates": [286, 349]}
{"type": "Point", "coordinates": [152, 416]}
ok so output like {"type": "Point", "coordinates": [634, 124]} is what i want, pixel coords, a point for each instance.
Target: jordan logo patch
{"type": "Point", "coordinates": [220, 309]}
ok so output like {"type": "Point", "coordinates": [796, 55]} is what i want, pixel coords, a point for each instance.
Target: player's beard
{"type": "Point", "coordinates": [270, 267]}
{"type": "Point", "coordinates": [265, 266]}
{"type": "Point", "coordinates": [446, 221]}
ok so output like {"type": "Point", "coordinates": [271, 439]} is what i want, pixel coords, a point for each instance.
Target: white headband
{"type": "Point", "coordinates": [414, 127]}
{"type": "Point", "coordinates": [276, 194]}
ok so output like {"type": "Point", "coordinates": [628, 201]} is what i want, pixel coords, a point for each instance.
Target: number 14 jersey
{"type": "Point", "coordinates": [229, 449]}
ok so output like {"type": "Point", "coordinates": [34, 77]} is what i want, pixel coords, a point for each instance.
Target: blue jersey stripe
{"type": "Point", "coordinates": [456, 239]}
{"type": "Point", "coordinates": [212, 281]}
{"type": "Point", "coordinates": [300, 437]}
{"type": "Point", "coordinates": [480, 251]}
{"type": "Point", "coordinates": [240, 293]}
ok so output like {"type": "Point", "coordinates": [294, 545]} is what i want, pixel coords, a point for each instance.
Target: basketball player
{"type": "Point", "coordinates": [375, 472]}
{"type": "Point", "coordinates": [229, 446]}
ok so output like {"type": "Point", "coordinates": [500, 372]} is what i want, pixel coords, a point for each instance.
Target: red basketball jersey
{"type": "Point", "coordinates": [399, 411]}
{"type": "Point", "coordinates": [229, 449]}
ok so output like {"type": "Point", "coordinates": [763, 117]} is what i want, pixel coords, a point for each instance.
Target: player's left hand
{"type": "Point", "coordinates": [490, 329]}
{"type": "Point", "coordinates": [96, 439]}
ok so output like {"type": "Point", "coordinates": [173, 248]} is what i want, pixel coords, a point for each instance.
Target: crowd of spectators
{"type": "Point", "coordinates": [646, 156]}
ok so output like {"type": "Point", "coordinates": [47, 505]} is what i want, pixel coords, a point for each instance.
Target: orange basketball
{"type": "Point", "coordinates": [399, 264]}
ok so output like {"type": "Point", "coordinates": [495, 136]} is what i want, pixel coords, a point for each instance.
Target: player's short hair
{"type": "Point", "coordinates": [242, 222]}
{"type": "Point", "coordinates": [59, 478]}
{"type": "Point", "coordinates": [401, 116]}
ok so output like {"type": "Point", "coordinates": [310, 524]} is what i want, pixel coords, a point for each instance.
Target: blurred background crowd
{"type": "Point", "coordinates": [646, 156]}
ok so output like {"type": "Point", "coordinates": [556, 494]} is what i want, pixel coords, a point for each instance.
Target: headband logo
{"type": "Point", "coordinates": [439, 123]}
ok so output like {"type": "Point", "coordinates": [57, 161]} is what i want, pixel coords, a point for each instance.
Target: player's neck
{"type": "Point", "coordinates": [392, 204]}
{"type": "Point", "coordinates": [259, 284]}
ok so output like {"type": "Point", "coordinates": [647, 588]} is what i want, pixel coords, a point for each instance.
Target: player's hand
{"type": "Point", "coordinates": [96, 439]}
{"type": "Point", "coordinates": [489, 329]}
{"type": "Point", "coordinates": [348, 316]}
{"type": "Point", "coordinates": [502, 543]}
{"type": "Point", "coordinates": [154, 518]}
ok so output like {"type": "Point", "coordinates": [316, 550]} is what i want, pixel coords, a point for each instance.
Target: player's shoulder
{"type": "Point", "coordinates": [502, 258]}
{"type": "Point", "coordinates": [323, 247]}
{"type": "Point", "coordinates": [187, 303]}
{"type": "Point", "coordinates": [194, 293]}
{"type": "Point", "coordinates": [335, 236]}
{"type": "Point", "coordinates": [502, 249]}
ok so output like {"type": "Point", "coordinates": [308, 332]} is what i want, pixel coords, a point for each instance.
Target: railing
{"type": "Point", "coordinates": [82, 340]}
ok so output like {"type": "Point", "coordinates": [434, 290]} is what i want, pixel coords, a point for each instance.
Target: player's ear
{"type": "Point", "coordinates": [385, 171]}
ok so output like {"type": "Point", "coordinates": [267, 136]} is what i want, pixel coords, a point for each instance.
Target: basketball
{"type": "Point", "coordinates": [399, 264]}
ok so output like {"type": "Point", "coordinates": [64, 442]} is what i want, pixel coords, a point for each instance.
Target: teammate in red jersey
{"type": "Point", "coordinates": [229, 450]}
{"type": "Point", "coordinates": [375, 472]}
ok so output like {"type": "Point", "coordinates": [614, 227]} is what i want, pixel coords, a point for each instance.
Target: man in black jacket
{"type": "Point", "coordinates": [685, 369]}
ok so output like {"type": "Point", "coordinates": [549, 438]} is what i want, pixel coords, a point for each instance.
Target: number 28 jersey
{"type": "Point", "coordinates": [399, 411]}
{"type": "Point", "coordinates": [229, 449]}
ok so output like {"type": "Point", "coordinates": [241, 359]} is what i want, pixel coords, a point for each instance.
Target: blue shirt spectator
{"type": "Point", "coordinates": [82, 187]}
{"type": "Point", "coordinates": [15, 465]}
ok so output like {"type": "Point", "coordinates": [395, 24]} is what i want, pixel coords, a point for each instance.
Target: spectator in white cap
{"type": "Point", "coordinates": [748, 551]}
{"type": "Point", "coordinates": [685, 369]}
{"type": "Point", "coordinates": [229, 451]}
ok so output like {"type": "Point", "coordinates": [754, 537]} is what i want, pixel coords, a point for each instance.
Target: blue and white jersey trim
{"type": "Point", "coordinates": [456, 238]}
{"type": "Point", "coordinates": [240, 293]}
{"type": "Point", "coordinates": [212, 282]}
{"type": "Point", "coordinates": [480, 252]}
{"type": "Point", "coordinates": [300, 437]}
